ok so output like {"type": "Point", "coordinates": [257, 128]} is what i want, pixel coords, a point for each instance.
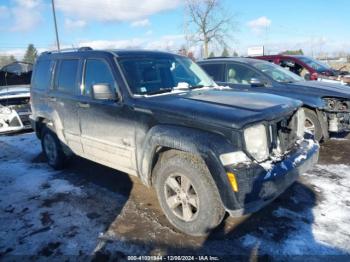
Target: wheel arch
{"type": "Point", "coordinates": [322, 118]}
{"type": "Point", "coordinates": [208, 146]}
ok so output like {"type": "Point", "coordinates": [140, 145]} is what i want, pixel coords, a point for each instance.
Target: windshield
{"type": "Point", "coordinates": [316, 65]}
{"type": "Point", "coordinates": [153, 74]}
{"type": "Point", "coordinates": [277, 73]}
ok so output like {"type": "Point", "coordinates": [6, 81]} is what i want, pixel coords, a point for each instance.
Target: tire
{"type": "Point", "coordinates": [187, 193]}
{"type": "Point", "coordinates": [52, 149]}
{"type": "Point", "coordinates": [312, 123]}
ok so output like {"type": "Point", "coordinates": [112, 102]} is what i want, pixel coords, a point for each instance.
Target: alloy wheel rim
{"type": "Point", "coordinates": [181, 197]}
{"type": "Point", "coordinates": [309, 125]}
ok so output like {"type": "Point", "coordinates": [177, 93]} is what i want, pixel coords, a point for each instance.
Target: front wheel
{"type": "Point", "coordinates": [187, 193]}
{"type": "Point", "coordinates": [312, 124]}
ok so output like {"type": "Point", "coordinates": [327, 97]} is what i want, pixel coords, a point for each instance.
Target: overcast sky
{"type": "Point", "coordinates": [313, 25]}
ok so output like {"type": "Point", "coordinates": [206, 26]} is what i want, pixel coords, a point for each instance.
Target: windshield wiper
{"type": "Point", "coordinates": [160, 91]}
{"type": "Point", "coordinates": [198, 86]}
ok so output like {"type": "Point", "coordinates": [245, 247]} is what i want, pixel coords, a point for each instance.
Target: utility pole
{"type": "Point", "coordinates": [55, 22]}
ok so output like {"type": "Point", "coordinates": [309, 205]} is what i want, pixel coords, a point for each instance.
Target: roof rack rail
{"type": "Point", "coordinates": [215, 57]}
{"type": "Point", "coordinates": [83, 48]}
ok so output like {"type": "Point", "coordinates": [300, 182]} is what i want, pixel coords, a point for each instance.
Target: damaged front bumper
{"type": "Point", "coordinates": [259, 184]}
{"type": "Point", "coordinates": [12, 120]}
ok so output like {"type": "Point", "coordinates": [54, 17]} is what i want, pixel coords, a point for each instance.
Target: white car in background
{"type": "Point", "coordinates": [14, 97]}
{"type": "Point", "coordinates": [14, 108]}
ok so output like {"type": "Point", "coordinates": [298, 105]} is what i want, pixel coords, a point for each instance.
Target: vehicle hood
{"type": "Point", "coordinates": [321, 89]}
{"type": "Point", "coordinates": [225, 108]}
{"type": "Point", "coordinates": [7, 92]}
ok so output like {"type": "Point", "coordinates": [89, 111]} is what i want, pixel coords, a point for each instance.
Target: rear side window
{"type": "Point", "coordinates": [215, 71]}
{"type": "Point", "coordinates": [67, 75]}
{"type": "Point", "coordinates": [239, 74]}
{"type": "Point", "coordinates": [97, 72]}
{"type": "Point", "coordinates": [42, 75]}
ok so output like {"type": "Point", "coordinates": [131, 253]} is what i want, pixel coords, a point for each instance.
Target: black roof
{"type": "Point", "coordinates": [244, 60]}
{"type": "Point", "coordinates": [139, 52]}
{"type": "Point", "coordinates": [115, 52]}
{"type": "Point", "coordinates": [18, 66]}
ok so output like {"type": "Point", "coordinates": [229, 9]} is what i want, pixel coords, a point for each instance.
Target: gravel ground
{"type": "Point", "coordinates": [90, 211]}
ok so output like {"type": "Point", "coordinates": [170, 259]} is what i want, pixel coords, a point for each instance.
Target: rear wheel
{"type": "Point", "coordinates": [187, 193]}
{"type": "Point", "coordinates": [52, 149]}
{"type": "Point", "coordinates": [312, 124]}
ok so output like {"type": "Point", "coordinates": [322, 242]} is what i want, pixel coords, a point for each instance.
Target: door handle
{"type": "Point", "coordinates": [83, 105]}
{"type": "Point", "coordinates": [52, 99]}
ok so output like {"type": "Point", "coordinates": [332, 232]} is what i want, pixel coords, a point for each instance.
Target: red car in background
{"type": "Point", "coordinates": [304, 66]}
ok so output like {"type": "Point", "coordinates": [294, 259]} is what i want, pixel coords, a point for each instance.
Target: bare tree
{"type": "Point", "coordinates": [206, 22]}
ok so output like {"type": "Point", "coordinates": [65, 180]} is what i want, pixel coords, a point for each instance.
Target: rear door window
{"type": "Point", "coordinates": [67, 76]}
{"type": "Point", "coordinates": [240, 74]}
{"type": "Point", "coordinates": [42, 74]}
{"type": "Point", "coordinates": [215, 71]}
{"type": "Point", "coordinates": [97, 71]}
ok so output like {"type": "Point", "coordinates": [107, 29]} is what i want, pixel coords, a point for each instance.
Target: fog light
{"type": "Point", "coordinates": [234, 158]}
{"type": "Point", "coordinates": [233, 181]}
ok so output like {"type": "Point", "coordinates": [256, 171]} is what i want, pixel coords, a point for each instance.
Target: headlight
{"type": "Point", "coordinates": [335, 104]}
{"type": "Point", "coordinates": [256, 142]}
{"type": "Point", "coordinates": [5, 110]}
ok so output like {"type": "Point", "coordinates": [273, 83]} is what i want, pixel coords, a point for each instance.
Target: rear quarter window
{"type": "Point", "coordinates": [42, 74]}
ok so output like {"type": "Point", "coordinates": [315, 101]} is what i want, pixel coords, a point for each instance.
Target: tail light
{"type": "Point", "coordinates": [314, 76]}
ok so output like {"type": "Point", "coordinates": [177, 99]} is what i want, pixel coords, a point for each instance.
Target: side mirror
{"type": "Point", "coordinates": [102, 92]}
{"type": "Point", "coordinates": [255, 82]}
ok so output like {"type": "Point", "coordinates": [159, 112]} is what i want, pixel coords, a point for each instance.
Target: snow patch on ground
{"type": "Point", "coordinates": [42, 213]}
{"type": "Point", "coordinates": [46, 212]}
{"type": "Point", "coordinates": [322, 229]}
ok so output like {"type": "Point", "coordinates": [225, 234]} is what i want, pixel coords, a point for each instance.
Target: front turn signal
{"type": "Point", "coordinates": [233, 181]}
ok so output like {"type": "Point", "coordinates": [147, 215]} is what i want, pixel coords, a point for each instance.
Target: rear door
{"type": "Point", "coordinates": [107, 128]}
{"type": "Point", "coordinates": [63, 98]}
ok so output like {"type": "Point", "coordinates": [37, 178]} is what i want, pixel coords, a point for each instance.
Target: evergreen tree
{"type": "Point", "coordinates": [293, 52]}
{"type": "Point", "coordinates": [235, 54]}
{"type": "Point", "coordinates": [30, 54]}
{"type": "Point", "coordinates": [5, 60]}
{"type": "Point", "coordinates": [211, 54]}
{"type": "Point", "coordinates": [225, 53]}
{"type": "Point", "coordinates": [12, 59]}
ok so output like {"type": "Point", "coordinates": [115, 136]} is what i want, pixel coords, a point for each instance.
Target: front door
{"type": "Point", "coordinates": [107, 132]}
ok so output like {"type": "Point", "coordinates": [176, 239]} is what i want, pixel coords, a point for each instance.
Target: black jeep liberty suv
{"type": "Point", "coordinates": [160, 117]}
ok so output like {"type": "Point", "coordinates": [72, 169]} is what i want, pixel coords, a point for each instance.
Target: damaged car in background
{"type": "Point", "coordinates": [310, 68]}
{"type": "Point", "coordinates": [15, 97]}
{"type": "Point", "coordinates": [326, 105]}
